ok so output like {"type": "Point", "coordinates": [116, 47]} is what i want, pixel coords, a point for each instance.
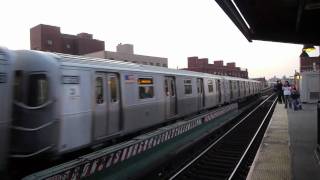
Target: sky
{"type": "Point", "coordinates": [175, 29]}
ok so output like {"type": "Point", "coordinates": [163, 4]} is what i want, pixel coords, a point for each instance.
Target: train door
{"type": "Point", "coordinates": [170, 97]}
{"type": "Point", "coordinates": [200, 92]}
{"type": "Point", "coordinates": [218, 85]}
{"type": "Point", "coordinates": [107, 105]}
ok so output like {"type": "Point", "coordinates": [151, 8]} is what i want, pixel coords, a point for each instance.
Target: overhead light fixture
{"type": "Point", "coordinates": [304, 54]}
{"type": "Point", "coordinates": [308, 48]}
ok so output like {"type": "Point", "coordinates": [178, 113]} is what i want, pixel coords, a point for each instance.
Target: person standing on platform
{"type": "Point", "coordinates": [287, 94]}
{"type": "Point", "coordinates": [279, 91]}
{"type": "Point", "coordinates": [295, 95]}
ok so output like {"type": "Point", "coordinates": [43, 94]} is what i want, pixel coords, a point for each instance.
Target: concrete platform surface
{"type": "Point", "coordinates": [273, 158]}
{"type": "Point", "coordinates": [288, 148]}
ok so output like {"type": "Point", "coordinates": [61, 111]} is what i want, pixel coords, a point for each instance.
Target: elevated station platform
{"type": "Point", "coordinates": [288, 150]}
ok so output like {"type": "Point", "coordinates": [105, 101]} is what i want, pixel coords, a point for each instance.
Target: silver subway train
{"type": "Point", "coordinates": [63, 102]}
{"type": "Point", "coordinates": [6, 84]}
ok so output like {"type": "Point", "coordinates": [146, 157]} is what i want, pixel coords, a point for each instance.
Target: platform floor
{"type": "Point", "coordinates": [288, 148]}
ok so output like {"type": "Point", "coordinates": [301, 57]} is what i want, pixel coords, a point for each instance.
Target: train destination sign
{"type": "Point", "coordinates": [70, 79]}
{"type": "Point", "coordinates": [3, 77]}
{"type": "Point", "coordinates": [145, 81]}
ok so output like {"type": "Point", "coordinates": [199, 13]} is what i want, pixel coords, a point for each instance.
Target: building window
{"type": "Point", "coordinates": [99, 90]}
{"type": "Point", "coordinates": [151, 63]}
{"type": "Point", "coordinates": [210, 86]}
{"type": "Point", "coordinates": [134, 61]}
{"type": "Point", "coordinates": [158, 64]}
{"type": "Point", "coordinates": [145, 88]}
{"type": "Point", "coordinates": [164, 65]}
{"type": "Point", "coordinates": [187, 86]}
{"type": "Point", "coordinates": [125, 60]}
{"type": "Point", "coordinates": [49, 42]}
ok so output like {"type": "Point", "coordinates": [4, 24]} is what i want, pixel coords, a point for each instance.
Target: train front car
{"type": "Point", "coordinates": [6, 63]}
{"type": "Point", "coordinates": [34, 108]}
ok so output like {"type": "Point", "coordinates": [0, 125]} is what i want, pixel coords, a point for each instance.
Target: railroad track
{"type": "Point", "coordinates": [230, 156]}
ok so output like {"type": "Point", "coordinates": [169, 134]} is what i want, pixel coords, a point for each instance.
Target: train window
{"type": "Point", "coordinates": [166, 87]}
{"type": "Point", "coordinates": [113, 89]}
{"type": "Point", "coordinates": [18, 86]}
{"type": "Point", "coordinates": [38, 90]}
{"type": "Point", "coordinates": [231, 89]}
{"type": "Point", "coordinates": [145, 88]}
{"type": "Point", "coordinates": [172, 88]}
{"type": "Point", "coordinates": [210, 86]}
{"type": "Point", "coordinates": [146, 92]}
{"type": "Point", "coordinates": [218, 89]}
{"type": "Point", "coordinates": [187, 86]}
{"type": "Point", "coordinates": [99, 90]}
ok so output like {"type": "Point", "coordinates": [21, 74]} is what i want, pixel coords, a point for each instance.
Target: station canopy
{"type": "Point", "coordinates": [289, 21]}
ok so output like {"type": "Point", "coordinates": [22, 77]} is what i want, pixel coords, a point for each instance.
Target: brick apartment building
{"type": "Point", "coordinates": [125, 53]}
{"type": "Point", "coordinates": [49, 38]}
{"type": "Point", "coordinates": [309, 64]}
{"type": "Point", "coordinates": [202, 65]}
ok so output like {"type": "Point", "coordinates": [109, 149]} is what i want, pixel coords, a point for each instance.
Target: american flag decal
{"type": "Point", "coordinates": [130, 79]}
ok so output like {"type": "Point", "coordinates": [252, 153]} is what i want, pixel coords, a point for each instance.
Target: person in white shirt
{"type": "Point", "coordinates": [287, 94]}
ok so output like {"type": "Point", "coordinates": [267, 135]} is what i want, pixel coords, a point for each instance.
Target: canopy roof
{"type": "Point", "coordinates": [289, 21]}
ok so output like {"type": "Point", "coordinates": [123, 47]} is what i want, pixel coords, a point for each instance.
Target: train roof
{"type": "Point", "coordinates": [5, 55]}
{"type": "Point", "coordinates": [83, 61]}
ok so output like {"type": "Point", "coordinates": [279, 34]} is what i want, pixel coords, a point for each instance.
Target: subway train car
{"type": "Point", "coordinates": [65, 102]}
{"type": "Point", "coordinates": [6, 84]}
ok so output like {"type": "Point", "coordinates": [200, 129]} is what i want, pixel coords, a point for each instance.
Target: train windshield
{"type": "Point", "coordinates": [37, 90]}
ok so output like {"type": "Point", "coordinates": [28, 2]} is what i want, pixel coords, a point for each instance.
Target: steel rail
{"type": "Point", "coordinates": [251, 142]}
{"type": "Point", "coordinates": [218, 140]}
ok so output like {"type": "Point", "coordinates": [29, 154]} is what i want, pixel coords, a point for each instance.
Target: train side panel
{"type": "Point", "coordinates": [75, 125]}
{"type": "Point", "coordinates": [6, 83]}
{"type": "Point", "coordinates": [142, 100]}
{"type": "Point", "coordinates": [186, 91]}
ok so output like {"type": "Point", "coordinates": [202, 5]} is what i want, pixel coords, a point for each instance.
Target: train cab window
{"type": "Point", "coordinates": [145, 88]}
{"type": "Point", "coordinates": [210, 86]}
{"type": "Point", "coordinates": [99, 90]}
{"type": "Point", "coordinates": [113, 89]}
{"type": "Point", "coordinates": [38, 90]}
{"type": "Point", "coordinates": [18, 86]}
{"type": "Point", "coordinates": [187, 86]}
